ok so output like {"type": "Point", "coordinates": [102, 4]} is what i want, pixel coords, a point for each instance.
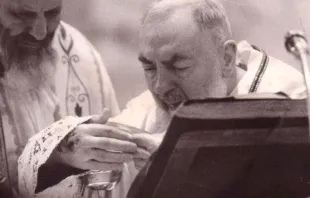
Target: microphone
{"type": "Point", "coordinates": [296, 43]}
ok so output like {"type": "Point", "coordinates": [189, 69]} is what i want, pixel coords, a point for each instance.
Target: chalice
{"type": "Point", "coordinates": [103, 182]}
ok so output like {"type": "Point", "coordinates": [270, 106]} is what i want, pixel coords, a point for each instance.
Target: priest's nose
{"type": "Point", "coordinates": [39, 28]}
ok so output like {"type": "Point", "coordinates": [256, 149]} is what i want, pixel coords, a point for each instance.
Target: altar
{"type": "Point", "coordinates": [232, 148]}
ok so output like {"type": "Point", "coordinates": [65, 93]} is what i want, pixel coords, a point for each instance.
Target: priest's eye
{"type": "Point", "coordinates": [53, 13]}
{"type": "Point", "coordinates": [23, 14]}
{"type": "Point", "coordinates": [149, 67]}
{"type": "Point", "coordinates": [147, 64]}
{"type": "Point", "coordinates": [180, 69]}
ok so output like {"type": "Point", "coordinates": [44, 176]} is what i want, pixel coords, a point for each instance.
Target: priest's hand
{"type": "Point", "coordinates": [95, 146]}
{"type": "Point", "coordinates": [147, 145]}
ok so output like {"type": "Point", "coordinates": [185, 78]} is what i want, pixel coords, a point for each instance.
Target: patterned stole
{"type": "Point", "coordinates": [261, 70]}
{"type": "Point", "coordinates": [5, 182]}
{"type": "Point", "coordinates": [77, 97]}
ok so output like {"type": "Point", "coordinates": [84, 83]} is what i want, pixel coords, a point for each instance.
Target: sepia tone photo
{"type": "Point", "coordinates": [154, 99]}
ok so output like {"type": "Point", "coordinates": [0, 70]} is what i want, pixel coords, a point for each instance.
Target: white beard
{"type": "Point", "coordinates": [20, 79]}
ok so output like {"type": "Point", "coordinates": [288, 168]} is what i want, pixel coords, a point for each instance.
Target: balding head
{"type": "Point", "coordinates": [186, 51]}
{"type": "Point", "coordinates": [207, 15]}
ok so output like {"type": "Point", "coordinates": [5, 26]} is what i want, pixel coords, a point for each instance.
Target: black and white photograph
{"type": "Point", "coordinates": [154, 99]}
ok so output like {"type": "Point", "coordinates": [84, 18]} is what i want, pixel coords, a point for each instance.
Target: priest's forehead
{"type": "Point", "coordinates": [33, 5]}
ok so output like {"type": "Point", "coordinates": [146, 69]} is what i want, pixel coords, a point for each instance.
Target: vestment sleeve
{"type": "Point", "coordinates": [39, 150]}
{"type": "Point", "coordinates": [136, 112]}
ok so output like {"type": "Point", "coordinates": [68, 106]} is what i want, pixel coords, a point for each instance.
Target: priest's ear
{"type": "Point", "coordinates": [230, 54]}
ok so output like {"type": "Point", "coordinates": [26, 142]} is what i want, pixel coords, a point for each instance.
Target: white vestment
{"type": "Point", "coordinates": [257, 73]}
{"type": "Point", "coordinates": [82, 87]}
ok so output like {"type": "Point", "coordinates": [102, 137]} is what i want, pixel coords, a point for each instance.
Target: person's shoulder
{"type": "Point", "coordinates": [290, 78]}
{"type": "Point", "coordinates": [252, 57]}
{"type": "Point", "coordinates": [66, 29]}
{"type": "Point", "coordinates": [66, 33]}
{"type": "Point", "coordinates": [273, 74]}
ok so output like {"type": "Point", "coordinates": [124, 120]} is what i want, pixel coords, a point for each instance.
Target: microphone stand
{"type": "Point", "coordinates": [296, 44]}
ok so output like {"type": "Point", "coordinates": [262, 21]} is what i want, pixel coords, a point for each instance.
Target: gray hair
{"type": "Point", "coordinates": [208, 14]}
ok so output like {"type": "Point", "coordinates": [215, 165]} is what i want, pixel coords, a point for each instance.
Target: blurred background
{"type": "Point", "coordinates": [113, 25]}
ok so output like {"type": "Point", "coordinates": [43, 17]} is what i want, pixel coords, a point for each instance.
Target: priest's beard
{"type": "Point", "coordinates": [28, 75]}
{"type": "Point", "coordinates": [25, 69]}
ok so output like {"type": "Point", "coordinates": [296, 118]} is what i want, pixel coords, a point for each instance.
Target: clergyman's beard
{"type": "Point", "coordinates": [25, 70]}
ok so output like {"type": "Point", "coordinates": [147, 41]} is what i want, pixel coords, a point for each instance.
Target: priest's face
{"type": "Point", "coordinates": [26, 29]}
{"type": "Point", "coordinates": [180, 61]}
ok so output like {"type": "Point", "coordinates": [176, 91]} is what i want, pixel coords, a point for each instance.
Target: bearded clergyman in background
{"type": "Point", "coordinates": [187, 51]}
{"type": "Point", "coordinates": [47, 70]}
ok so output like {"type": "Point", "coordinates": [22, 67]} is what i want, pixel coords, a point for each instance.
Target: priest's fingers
{"type": "Point", "coordinates": [141, 154]}
{"type": "Point", "coordinates": [107, 156]}
{"type": "Point", "coordinates": [84, 158]}
{"type": "Point", "coordinates": [100, 130]}
{"type": "Point", "coordinates": [104, 166]}
{"type": "Point", "coordinates": [139, 163]}
{"type": "Point", "coordinates": [141, 157]}
{"type": "Point", "coordinates": [146, 141]}
{"type": "Point", "coordinates": [101, 118]}
{"type": "Point", "coordinates": [108, 144]}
